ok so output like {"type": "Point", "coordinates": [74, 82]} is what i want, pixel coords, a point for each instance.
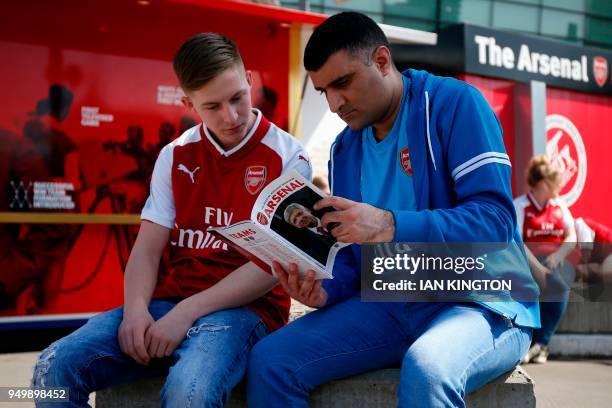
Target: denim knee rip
{"type": "Point", "coordinates": [42, 365]}
{"type": "Point", "coordinates": [209, 327]}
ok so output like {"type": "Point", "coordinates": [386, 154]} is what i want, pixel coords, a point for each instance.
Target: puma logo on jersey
{"type": "Point", "coordinates": [191, 174]}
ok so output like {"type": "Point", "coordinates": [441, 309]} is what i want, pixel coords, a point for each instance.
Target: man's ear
{"type": "Point", "coordinates": [187, 103]}
{"type": "Point", "coordinates": [382, 59]}
{"type": "Point", "coordinates": [249, 77]}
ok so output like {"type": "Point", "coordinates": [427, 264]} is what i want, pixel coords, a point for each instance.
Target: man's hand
{"type": "Point", "coordinates": [540, 273]}
{"type": "Point", "coordinates": [554, 260]}
{"type": "Point", "coordinates": [131, 334]}
{"type": "Point", "coordinates": [140, 279]}
{"type": "Point", "coordinates": [306, 291]}
{"type": "Point", "coordinates": [358, 222]}
{"type": "Point", "coordinates": [165, 335]}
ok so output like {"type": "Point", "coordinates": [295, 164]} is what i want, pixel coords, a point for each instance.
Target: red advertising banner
{"type": "Point", "coordinates": [80, 139]}
{"type": "Point", "coordinates": [578, 126]}
{"type": "Point", "coordinates": [578, 129]}
{"type": "Point", "coordinates": [90, 99]}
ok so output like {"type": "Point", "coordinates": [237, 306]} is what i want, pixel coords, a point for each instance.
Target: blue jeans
{"type": "Point", "coordinates": [554, 300]}
{"type": "Point", "coordinates": [201, 372]}
{"type": "Point", "coordinates": [446, 350]}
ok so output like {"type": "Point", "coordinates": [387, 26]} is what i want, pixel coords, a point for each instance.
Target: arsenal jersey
{"type": "Point", "coordinates": [196, 184]}
{"type": "Point", "coordinates": [546, 225]}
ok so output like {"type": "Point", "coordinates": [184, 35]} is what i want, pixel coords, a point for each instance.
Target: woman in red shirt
{"type": "Point", "coordinates": [547, 228]}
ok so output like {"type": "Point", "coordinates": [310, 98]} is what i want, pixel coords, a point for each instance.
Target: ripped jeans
{"type": "Point", "coordinates": [201, 372]}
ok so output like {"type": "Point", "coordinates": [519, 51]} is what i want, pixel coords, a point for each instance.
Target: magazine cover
{"type": "Point", "coordinates": [284, 227]}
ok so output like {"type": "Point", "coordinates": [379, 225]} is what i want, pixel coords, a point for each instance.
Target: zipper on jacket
{"type": "Point", "coordinates": [331, 170]}
{"type": "Point", "coordinates": [505, 317]}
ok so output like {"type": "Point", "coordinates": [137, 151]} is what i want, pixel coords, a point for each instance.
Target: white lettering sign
{"type": "Point", "coordinates": [494, 55]}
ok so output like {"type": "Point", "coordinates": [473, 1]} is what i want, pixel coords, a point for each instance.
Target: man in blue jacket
{"type": "Point", "coordinates": [422, 160]}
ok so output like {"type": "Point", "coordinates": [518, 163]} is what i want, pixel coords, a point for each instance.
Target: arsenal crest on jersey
{"type": "Point", "coordinates": [255, 178]}
{"type": "Point", "coordinates": [404, 158]}
{"type": "Point", "coordinates": [262, 219]}
{"type": "Point", "coordinates": [600, 70]}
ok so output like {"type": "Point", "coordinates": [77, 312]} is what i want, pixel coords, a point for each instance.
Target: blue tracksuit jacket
{"type": "Point", "coordinates": [461, 183]}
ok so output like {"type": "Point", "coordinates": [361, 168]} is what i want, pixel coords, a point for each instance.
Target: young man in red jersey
{"type": "Point", "coordinates": [198, 321]}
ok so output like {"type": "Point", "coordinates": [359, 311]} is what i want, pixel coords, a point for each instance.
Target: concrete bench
{"type": "Point", "coordinates": [373, 389]}
{"type": "Point", "coordinates": [587, 318]}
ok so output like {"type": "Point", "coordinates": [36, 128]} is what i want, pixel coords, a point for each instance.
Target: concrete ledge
{"type": "Point", "coordinates": [581, 345]}
{"type": "Point", "coordinates": [587, 317]}
{"type": "Point", "coordinates": [373, 389]}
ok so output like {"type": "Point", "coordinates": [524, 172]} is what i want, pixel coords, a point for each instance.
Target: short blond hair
{"type": "Point", "coordinates": [541, 168]}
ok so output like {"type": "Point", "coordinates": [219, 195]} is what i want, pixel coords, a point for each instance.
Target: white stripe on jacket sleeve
{"type": "Point", "coordinates": [480, 161]}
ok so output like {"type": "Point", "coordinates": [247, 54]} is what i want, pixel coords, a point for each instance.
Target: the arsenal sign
{"type": "Point", "coordinates": [469, 49]}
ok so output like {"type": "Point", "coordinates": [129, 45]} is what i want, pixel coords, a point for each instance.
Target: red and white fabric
{"type": "Point", "coordinates": [196, 184]}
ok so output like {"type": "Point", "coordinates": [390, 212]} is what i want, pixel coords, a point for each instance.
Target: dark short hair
{"type": "Point", "coordinates": [349, 31]}
{"type": "Point", "coordinates": [203, 57]}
